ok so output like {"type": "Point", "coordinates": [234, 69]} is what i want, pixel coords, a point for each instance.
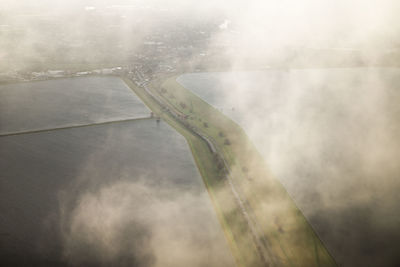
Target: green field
{"type": "Point", "coordinates": [286, 236]}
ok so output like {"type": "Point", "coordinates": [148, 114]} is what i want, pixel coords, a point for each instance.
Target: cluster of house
{"type": "Point", "coordinates": [62, 73]}
{"type": "Point", "coordinates": [50, 74]}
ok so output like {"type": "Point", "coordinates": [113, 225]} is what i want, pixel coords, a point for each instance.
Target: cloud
{"type": "Point", "coordinates": [135, 224]}
{"type": "Point", "coordinates": [330, 136]}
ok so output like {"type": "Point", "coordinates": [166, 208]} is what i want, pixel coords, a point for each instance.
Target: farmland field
{"type": "Point", "coordinates": [330, 137]}
{"type": "Point", "coordinates": [119, 194]}
{"type": "Point", "coordinates": [66, 102]}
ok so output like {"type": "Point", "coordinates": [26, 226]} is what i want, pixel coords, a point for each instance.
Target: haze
{"type": "Point", "coordinates": [34, 32]}
{"type": "Point", "coordinates": [314, 84]}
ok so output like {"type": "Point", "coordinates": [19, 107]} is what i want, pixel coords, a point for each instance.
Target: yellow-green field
{"type": "Point", "coordinates": [287, 238]}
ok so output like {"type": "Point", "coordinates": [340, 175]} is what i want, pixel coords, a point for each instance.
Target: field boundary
{"type": "Point", "coordinates": [71, 127]}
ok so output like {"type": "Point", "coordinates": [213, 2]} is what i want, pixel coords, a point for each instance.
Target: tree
{"type": "Point", "coordinates": [227, 142]}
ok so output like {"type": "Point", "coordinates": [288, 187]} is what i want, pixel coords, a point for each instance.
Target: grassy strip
{"type": "Point", "coordinates": [289, 235]}
{"type": "Point", "coordinates": [229, 216]}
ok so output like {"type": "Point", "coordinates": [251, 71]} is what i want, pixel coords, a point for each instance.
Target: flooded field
{"type": "Point", "coordinates": [331, 137]}
{"type": "Point", "coordinates": [122, 194]}
{"type": "Point", "coordinates": [66, 102]}
{"type": "Point", "coordinates": [126, 193]}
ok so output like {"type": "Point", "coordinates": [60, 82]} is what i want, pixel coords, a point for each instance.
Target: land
{"type": "Point", "coordinates": [261, 222]}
